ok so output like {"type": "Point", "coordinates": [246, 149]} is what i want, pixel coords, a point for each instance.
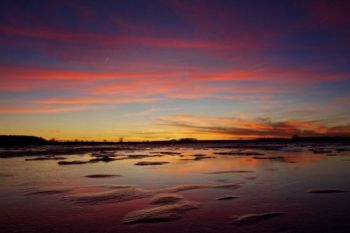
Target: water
{"type": "Point", "coordinates": [278, 184]}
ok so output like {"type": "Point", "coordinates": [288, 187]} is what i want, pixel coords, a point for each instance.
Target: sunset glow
{"type": "Point", "coordinates": [160, 70]}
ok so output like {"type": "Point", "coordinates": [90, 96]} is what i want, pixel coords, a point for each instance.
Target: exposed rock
{"type": "Point", "coordinates": [74, 162]}
{"type": "Point", "coordinates": [229, 171]}
{"type": "Point", "coordinates": [118, 186]}
{"type": "Point", "coordinates": [166, 198]}
{"type": "Point", "coordinates": [147, 163]}
{"type": "Point", "coordinates": [102, 159]}
{"type": "Point", "coordinates": [253, 218]}
{"type": "Point", "coordinates": [102, 176]}
{"type": "Point", "coordinates": [321, 191]}
{"type": "Point", "coordinates": [57, 150]}
{"type": "Point", "coordinates": [228, 197]}
{"type": "Point", "coordinates": [169, 153]}
{"type": "Point", "coordinates": [204, 157]}
{"type": "Point", "coordinates": [199, 158]}
{"type": "Point", "coordinates": [160, 213]}
{"type": "Point", "coordinates": [248, 153]}
{"type": "Point", "coordinates": [138, 156]}
{"type": "Point", "coordinates": [46, 158]}
{"type": "Point", "coordinates": [269, 157]}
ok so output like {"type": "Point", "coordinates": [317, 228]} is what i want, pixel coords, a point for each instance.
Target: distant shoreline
{"type": "Point", "coordinates": [23, 140]}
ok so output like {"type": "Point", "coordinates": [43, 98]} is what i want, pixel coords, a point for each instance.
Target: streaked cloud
{"type": "Point", "coordinates": [230, 127]}
{"type": "Point", "coordinates": [287, 61]}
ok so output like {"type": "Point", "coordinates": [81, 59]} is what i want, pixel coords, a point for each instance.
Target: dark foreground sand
{"type": "Point", "coordinates": [190, 188]}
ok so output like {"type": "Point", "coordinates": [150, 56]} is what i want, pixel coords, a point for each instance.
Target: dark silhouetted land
{"type": "Point", "coordinates": [22, 140]}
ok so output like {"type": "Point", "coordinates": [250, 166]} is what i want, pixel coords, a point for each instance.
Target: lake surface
{"type": "Point", "coordinates": [104, 190]}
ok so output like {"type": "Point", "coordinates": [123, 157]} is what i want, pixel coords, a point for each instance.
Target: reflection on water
{"type": "Point", "coordinates": [202, 188]}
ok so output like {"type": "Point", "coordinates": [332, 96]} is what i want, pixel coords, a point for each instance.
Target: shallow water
{"type": "Point", "coordinates": [36, 196]}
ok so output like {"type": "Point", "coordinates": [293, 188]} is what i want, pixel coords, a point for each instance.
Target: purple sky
{"type": "Point", "coordinates": [149, 70]}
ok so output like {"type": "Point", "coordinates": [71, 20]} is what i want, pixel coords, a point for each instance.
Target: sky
{"type": "Point", "coordinates": [170, 69]}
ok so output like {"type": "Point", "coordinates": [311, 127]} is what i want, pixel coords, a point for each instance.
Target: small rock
{"type": "Point", "coordinates": [102, 176]}
{"type": "Point", "coordinates": [169, 153]}
{"type": "Point", "coordinates": [229, 171]}
{"type": "Point", "coordinates": [102, 159]}
{"type": "Point", "coordinates": [147, 163]}
{"type": "Point", "coordinates": [166, 198]}
{"type": "Point", "coordinates": [46, 158]}
{"type": "Point", "coordinates": [253, 218]}
{"type": "Point", "coordinates": [137, 156]}
{"type": "Point", "coordinates": [321, 191]}
{"type": "Point", "coordinates": [228, 197]}
{"type": "Point", "coordinates": [247, 153]}
{"type": "Point", "coordinates": [74, 162]}
{"type": "Point", "coordinates": [269, 157]}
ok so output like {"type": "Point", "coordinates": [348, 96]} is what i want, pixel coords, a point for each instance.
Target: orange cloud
{"type": "Point", "coordinates": [278, 75]}
{"type": "Point", "coordinates": [226, 127]}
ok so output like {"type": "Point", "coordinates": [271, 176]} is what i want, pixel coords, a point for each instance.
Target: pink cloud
{"type": "Point", "coordinates": [20, 77]}
{"type": "Point", "coordinates": [115, 40]}
{"type": "Point", "coordinates": [94, 100]}
{"type": "Point", "coordinates": [45, 110]}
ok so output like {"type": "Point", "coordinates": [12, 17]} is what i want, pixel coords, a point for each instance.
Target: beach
{"type": "Point", "coordinates": [190, 187]}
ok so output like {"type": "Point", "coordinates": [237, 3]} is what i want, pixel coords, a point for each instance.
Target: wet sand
{"type": "Point", "coordinates": [241, 188]}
